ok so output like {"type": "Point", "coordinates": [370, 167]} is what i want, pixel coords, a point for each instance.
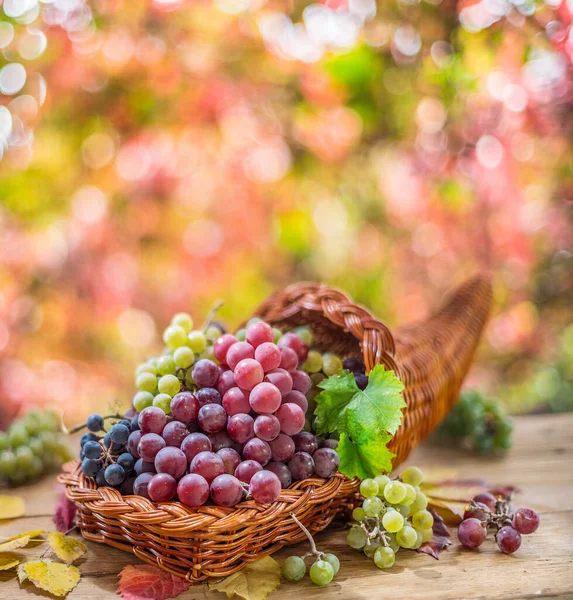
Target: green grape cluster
{"type": "Point", "coordinates": [32, 446]}
{"type": "Point", "coordinates": [478, 423]}
{"type": "Point", "coordinates": [393, 515]}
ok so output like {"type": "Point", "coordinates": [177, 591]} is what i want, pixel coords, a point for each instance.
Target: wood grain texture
{"type": "Point", "coordinates": [539, 464]}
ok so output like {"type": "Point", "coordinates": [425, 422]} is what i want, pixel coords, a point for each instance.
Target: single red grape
{"type": "Point", "coordinates": [508, 539]}
{"type": "Point", "coordinates": [193, 490]}
{"type": "Point", "coordinates": [525, 520]}
{"type": "Point", "coordinates": [472, 533]}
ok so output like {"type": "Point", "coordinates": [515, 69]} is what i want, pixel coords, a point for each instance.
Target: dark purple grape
{"type": "Point", "coordinates": [326, 461]}
{"type": "Point", "coordinates": [472, 533]}
{"type": "Point", "coordinates": [354, 365]}
{"type": "Point", "coordinates": [361, 380]}
{"type": "Point", "coordinates": [126, 461]}
{"type": "Point", "coordinates": [281, 471]}
{"type": "Point", "coordinates": [142, 466]}
{"type": "Point", "coordinates": [301, 465]}
{"type": "Point", "coordinates": [140, 484]}
{"type": "Point", "coordinates": [100, 478]}
{"type": "Point", "coordinates": [114, 474]}
{"type": "Point", "coordinates": [127, 486]}
{"type": "Point", "coordinates": [330, 443]}
{"type": "Point", "coordinates": [208, 395]}
{"type": "Point", "coordinates": [508, 539]}
{"type": "Point", "coordinates": [305, 442]}
{"type": "Point", "coordinates": [205, 373]}
{"type": "Point", "coordinates": [525, 520]}
{"type": "Point", "coordinates": [135, 422]}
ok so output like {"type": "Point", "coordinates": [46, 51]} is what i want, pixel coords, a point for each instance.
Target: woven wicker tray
{"type": "Point", "coordinates": [431, 357]}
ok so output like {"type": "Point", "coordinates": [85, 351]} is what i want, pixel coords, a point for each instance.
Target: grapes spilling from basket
{"type": "Point", "coordinates": [218, 417]}
{"type": "Point", "coordinates": [392, 516]}
{"type": "Point", "coordinates": [486, 512]}
{"type": "Point", "coordinates": [32, 446]}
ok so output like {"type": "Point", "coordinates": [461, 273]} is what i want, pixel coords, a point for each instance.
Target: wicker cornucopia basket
{"type": "Point", "coordinates": [431, 358]}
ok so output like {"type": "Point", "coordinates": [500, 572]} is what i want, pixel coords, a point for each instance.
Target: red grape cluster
{"type": "Point", "coordinates": [487, 511]}
{"type": "Point", "coordinates": [237, 429]}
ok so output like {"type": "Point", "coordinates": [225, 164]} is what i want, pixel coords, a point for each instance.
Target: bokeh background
{"type": "Point", "coordinates": [159, 155]}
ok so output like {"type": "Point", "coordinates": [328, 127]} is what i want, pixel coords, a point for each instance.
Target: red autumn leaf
{"type": "Point", "coordinates": [441, 537]}
{"type": "Point", "coordinates": [65, 514]}
{"type": "Point", "coordinates": [142, 582]}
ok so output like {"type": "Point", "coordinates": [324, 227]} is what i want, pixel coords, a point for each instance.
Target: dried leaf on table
{"type": "Point", "coordinates": [12, 507]}
{"type": "Point", "coordinates": [8, 561]}
{"type": "Point", "coordinates": [20, 540]}
{"type": "Point", "coordinates": [450, 497]}
{"type": "Point", "coordinates": [254, 582]}
{"type": "Point", "coordinates": [143, 582]}
{"type": "Point", "coordinates": [53, 577]}
{"type": "Point", "coordinates": [65, 514]}
{"type": "Point", "coordinates": [441, 538]}
{"type": "Point", "coordinates": [66, 547]}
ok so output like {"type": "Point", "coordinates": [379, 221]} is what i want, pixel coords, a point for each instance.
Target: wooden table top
{"type": "Point", "coordinates": [540, 464]}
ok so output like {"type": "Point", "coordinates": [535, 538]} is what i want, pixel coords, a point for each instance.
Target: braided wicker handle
{"type": "Point", "coordinates": [431, 357]}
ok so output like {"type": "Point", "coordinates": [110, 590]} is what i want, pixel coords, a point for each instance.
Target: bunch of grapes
{"type": "Point", "coordinates": [323, 569]}
{"type": "Point", "coordinates": [214, 428]}
{"type": "Point", "coordinates": [392, 516]}
{"type": "Point", "coordinates": [478, 423]}
{"type": "Point", "coordinates": [32, 446]}
{"type": "Point", "coordinates": [488, 512]}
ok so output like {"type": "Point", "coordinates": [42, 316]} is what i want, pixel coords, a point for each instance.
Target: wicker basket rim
{"type": "Point", "coordinates": [109, 500]}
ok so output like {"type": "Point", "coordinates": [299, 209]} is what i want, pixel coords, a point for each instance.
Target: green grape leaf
{"type": "Point", "coordinates": [366, 420]}
{"type": "Point", "coordinates": [336, 395]}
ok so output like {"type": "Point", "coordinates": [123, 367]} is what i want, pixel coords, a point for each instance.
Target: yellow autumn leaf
{"type": "Point", "coordinates": [8, 561]}
{"type": "Point", "coordinates": [253, 582]}
{"type": "Point", "coordinates": [53, 577]}
{"type": "Point", "coordinates": [11, 507]}
{"type": "Point", "coordinates": [20, 540]}
{"type": "Point", "coordinates": [66, 547]}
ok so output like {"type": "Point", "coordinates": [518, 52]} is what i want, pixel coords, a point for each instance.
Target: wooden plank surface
{"type": "Point", "coordinates": [540, 464]}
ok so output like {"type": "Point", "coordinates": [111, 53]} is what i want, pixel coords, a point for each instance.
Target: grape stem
{"type": "Point", "coordinates": [84, 425]}
{"type": "Point", "coordinates": [211, 315]}
{"type": "Point", "coordinates": [313, 550]}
